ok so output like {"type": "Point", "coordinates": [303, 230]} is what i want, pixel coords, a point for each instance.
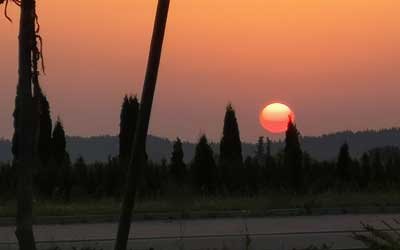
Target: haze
{"type": "Point", "coordinates": [336, 63]}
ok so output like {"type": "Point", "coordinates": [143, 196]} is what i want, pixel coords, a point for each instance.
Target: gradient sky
{"type": "Point", "coordinates": [336, 63]}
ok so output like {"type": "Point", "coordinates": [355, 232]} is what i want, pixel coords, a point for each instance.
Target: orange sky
{"type": "Point", "coordinates": [335, 62]}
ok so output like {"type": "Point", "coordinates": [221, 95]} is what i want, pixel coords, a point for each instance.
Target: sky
{"type": "Point", "coordinates": [336, 63]}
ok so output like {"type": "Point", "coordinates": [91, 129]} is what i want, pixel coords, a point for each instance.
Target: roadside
{"type": "Point", "coordinates": [263, 233]}
{"type": "Point", "coordinates": [83, 210]}
{"type": "Point", "coordinates": [143, 216]}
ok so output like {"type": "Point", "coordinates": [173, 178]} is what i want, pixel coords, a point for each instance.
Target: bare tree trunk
{"type": "Point", "coordinates": [25, 128]}
{"type": "Point", "coordinates": [137, 159]}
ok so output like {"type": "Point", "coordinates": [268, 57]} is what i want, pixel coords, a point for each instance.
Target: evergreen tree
{"type": "Point", "coordinates": [268, 151]}
{"type": "Point", "coordinates": [204, 167]}
{"type": "Point", "coordinates": [365, 170]}
{"type": "Point", "coordinates": [252, 174]}
{"type": "Point", "coordinates": [178, 167]}
{"type": "Point", "coordinates": [61, 167]}
{"type": "Point", "coordinates": [269, 166]}
{"type": "Point", "coordinates": [344, 163]}
{"type": "Point", "coordinates": [293, 157]}
{"type": "Point", "coordinates": [378, 167]}
{"type": "Point", "coordinates": [58, 143]}
{"type": "Point", "coordinates": [66, 178]}
{"type": "Point", "coordinates": [260, 151]}
{"type": "Point", "coordinates": [44, 146]}
{"type": "Point", "coordinates": [81, 173]}
{"type": "Point", "coordinates": [231, 159]}
{"type": "Point", "coordinates": [128, 120]}
{"type": "Point", "coordinates": [51, 173]}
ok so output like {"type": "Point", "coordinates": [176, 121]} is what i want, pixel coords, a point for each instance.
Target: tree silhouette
{"type": "Point", "coordinates": [204, 167]}
{"type": "Point", "coordinates": [128, 120]}
{"type": "Point", "coordinates": [52, 173]}
{"type": "Point", "coordinates": [231, 159]}
{"type": "Point", "coordinates": [344, 163]}
{"type": "Point", "coordinates": [26, 117]}
{"type": "Point", "coordinates": [59, 143]}
{"type": "Point", "coordinates": [138, 157]}
{"type": "Point", "coordinates": [45, 131]}
{"type": "Point", "coordinates": [62, 167]}
{"type": "Point", "coordinates": [81, 173]}
{"type": "Point", "coordinates": [260, 151]}
{"type": "Point", "coordinates": [365, 170]}
{"type": "Point", "coordinates": [378, 167]}
{"type": "Point", "coordinates": [293, 157]}
{"type": "Point", "coordinates": [177, 166]}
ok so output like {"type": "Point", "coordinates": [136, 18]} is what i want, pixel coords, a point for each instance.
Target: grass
{"type": "Point", "coordinates": [211, 204]}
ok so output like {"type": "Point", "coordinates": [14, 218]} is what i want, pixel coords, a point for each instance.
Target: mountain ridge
{"type": "Point", "coordinates": [324, 147]}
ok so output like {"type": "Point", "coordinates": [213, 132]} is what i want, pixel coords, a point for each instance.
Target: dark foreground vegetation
{"type": "Point", "coordinates": [290, 172]}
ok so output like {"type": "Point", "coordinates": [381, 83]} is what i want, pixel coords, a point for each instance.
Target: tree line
{"type": "Point", "coordinates": [289, 170]}
{"type": "Point", "coordinates": [41, 165]}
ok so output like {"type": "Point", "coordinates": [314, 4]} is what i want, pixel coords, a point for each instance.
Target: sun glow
{"type": "Point", "coordinates": [275, 117]}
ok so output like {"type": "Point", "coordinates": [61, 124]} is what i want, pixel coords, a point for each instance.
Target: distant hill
{"type": "Point", "coordinates": [324, 147]}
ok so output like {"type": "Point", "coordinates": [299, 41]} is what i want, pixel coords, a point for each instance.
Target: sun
{"type": "Point", "coordinates": [275, 117]}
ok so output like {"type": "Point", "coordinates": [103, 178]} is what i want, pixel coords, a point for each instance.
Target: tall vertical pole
{"type": "Point", "coordinates": [137, 159]}
{"type": "Point", "coordinates": [24, 157]}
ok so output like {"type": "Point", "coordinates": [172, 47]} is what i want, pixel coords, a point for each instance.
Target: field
{"type": "Point", "coordinates": [210, 204]}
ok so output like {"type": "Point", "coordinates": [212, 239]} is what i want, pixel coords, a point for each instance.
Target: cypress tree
{"type": "Point", "coordinates": [366, 170]}
{"type": "Point", "coordinates": [268, 148]}
{"type": "Point", "coordinates": [81, 174]}
{"type": "Point", "coordinates": [204, 167]}
{"type": "Point", "coordinates": [260, 151]}
{"type": "Point", "coordinates": [231, 159]}
{"type": "Point", "coordinates": [59, 143]}
{"type": "Point", "coordinates": [178, 167]}
{"type": "Point", "coordinates": [128, 120]}
{"type": "Point", "coordinates": [62, 162]}
{"type": "Point", "coordinates": [66, 178]}
{"type": "Point", "coordinates": [344, 163]}
{"type": "Point", "coordinates": [50, 174]}
{"type": "Point", "coordinates": [378, 167]}
{"type": "Point", "coordinates": [269, 166]}
{"type": "Point", "coordinates": [293, 157]}
{"type": "Point", "coordinates": [44, 146]}
{"type": "Point", "coordinates": [123, 128]}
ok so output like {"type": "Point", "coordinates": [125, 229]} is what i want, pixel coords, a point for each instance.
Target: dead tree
{"type": "Point", "coordinates": [26, 118]}
{"type": "Point", "coordinates": [137, 159]}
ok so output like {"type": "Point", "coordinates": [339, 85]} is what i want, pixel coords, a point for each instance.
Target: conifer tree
{"type": "Point", "coordinates": [123, 128]}
{"type": "Point", "coordinates": [260, 151]}
{"type": "Point", "coordinates": [128, 120]}
{"type": "Point", "coordinates": [59, 142]}
{"type": "Point", "coordinates": [344, 163]}
{"type": "Point", "coordinates": [268, 151]}
{"type": "Point", "coordinates": [44, 146]}
{"type": "Point", "coordinates": [293, 157]}
{"type": "Point", "coordinates": [365, 170]}
{"type": "Point", "coordinates": [204, 167]}
{"type": "Point", "coordinates": [178, 167]}
{"type": "Point", "coordinates": [50, 174]}
{"type": "Point", "coordinates": [66, 178]}
{"type": "Point", "coordinates": [378, 167]}
{"type": "Point", "coordinates": [82, 173]}
{"type": "Point", "coordinates": [269, 166]}
{"type": "Point", "coordinates": [231, 159]}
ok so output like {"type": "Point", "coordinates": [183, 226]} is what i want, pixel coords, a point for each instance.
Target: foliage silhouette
{"type": "Point", "coordinates": [293, 157]}
{"type": "Point", "coordinates": [230, 154]}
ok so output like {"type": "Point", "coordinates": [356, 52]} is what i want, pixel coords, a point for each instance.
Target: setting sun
{"type": "Point", "coordinates": [275, 117]}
